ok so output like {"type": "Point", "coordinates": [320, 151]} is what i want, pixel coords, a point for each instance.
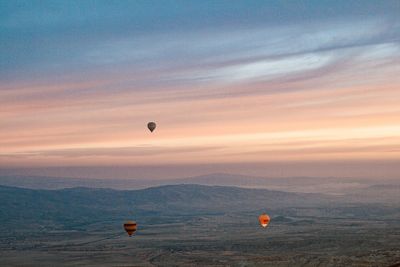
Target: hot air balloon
{"type": "Point", "coordinates": [264, 220]}
{"type": "Point", "coordinates": [151, 125]}
{"type": "Point", "coordinates": [130, 227]}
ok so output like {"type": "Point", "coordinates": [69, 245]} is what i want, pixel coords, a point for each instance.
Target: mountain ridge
{"type": "Point", "coordinates": [300, 184]}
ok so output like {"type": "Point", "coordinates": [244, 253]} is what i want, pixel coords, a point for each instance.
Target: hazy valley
{"type": "Point", "coordinates": [197, 225]}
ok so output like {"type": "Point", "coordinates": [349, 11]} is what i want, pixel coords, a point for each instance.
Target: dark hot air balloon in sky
{"type": "Point", "coordinates": [264, 220]}
{"type": "Point", "coordinates": [151, 125]}
{"type": "Point", "coordinates": [130, 227]}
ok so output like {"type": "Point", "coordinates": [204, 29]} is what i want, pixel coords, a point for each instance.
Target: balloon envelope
{"type": "Point", "coordinates": [264, 220]}
{"type": "Point", "coordinates": [151, 125]}
{"type": "Point", "coordinates": [130, 227]}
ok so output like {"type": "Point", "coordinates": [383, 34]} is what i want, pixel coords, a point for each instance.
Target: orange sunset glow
{"type": "Point", "coordinates": [217, 99]}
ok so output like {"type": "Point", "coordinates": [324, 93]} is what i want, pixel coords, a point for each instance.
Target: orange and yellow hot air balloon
{"type": "Point", "coordinates": [130, 227]}
{"type": "Point", "coordinates": [264, 220]}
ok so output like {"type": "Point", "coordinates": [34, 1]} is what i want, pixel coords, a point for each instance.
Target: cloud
{"type": "Point", "coordinates": [221, 90]}
{"type": "Point", "coordinates": [137, 151]}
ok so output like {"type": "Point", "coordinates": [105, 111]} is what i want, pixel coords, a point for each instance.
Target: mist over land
{"type": "Point", "coordinates": [326, 185]}
{"type": "Point", "coordinates": [185, 224]}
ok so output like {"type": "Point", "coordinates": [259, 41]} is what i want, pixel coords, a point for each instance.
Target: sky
{"type": "Point", "coordinates": [268, 88]}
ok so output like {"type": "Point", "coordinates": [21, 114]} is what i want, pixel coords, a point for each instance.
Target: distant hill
{"type": "Point", "coordinates": [43, 182]}
{"type": "Point", "coordinates": [327, 185]}
{"type": "Point", "coordinates": [69, 208]}
{"type": "Point", "coordinates": [291, 184]}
